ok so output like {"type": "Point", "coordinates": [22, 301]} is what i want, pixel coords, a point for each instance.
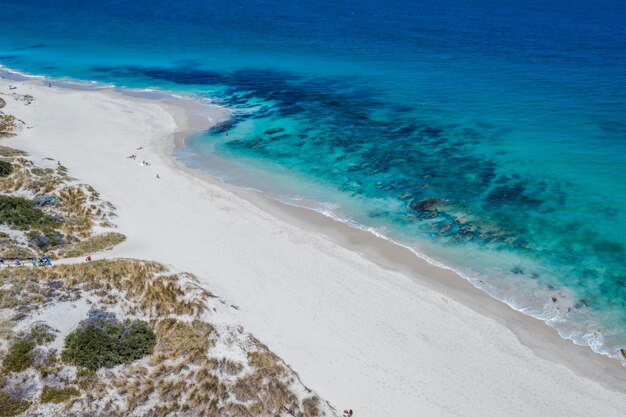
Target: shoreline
{"type": "Point", "coordinates": [534, 332]}
{"type": "Point", "coordinates": [397, 261]}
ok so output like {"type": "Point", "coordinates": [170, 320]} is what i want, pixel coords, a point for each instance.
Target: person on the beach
{"type": "Point", "coordinates": [17, 262]}
{"type": "Point", "coordinates": [158, 176]}
{"type": "Point", "coordinates": [88, 258]}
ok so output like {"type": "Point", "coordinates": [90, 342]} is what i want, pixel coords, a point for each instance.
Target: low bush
{"type": "Point", "coordinates": [23, 214]}
{"type": "Point", "coordinates": [41, 334]}
{"type": "Point", "coordinates": [58, 395]}
{"type": "Point", "coordinates": [103, 341]}
{"type": "Point", "coordinates": [5, 168]}
{"type": "Point", "coordinates": [46, 239]}
{"type": "Point", "coordinates": [46, 200]}
{"type": "Point", "coordinates": [10, 406]}
{"type": "Point", "coordinates": [19, 357]}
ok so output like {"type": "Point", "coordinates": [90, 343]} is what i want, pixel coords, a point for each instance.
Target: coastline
{"type": "Point", "coordinates": [357, 253]}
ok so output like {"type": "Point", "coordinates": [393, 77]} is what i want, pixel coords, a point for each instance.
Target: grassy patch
{"type": "Point", "coordinates": [7, 152]}
{"type": "Point", "coordinates": [19, 357]}
{"type": "Point", "coordinates": [58, 395]}
{"type": "Point", "coordinates": [92, 244]}
{"type": "Point", "coordinates": [11, 250]}
{"type": "Point", "coordinates": [103, 341]}
{"type": "Point", "coordinates": [12, 406]}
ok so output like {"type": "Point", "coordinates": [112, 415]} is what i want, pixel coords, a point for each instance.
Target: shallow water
{"type": "Point", "coordinates": [488, 135]}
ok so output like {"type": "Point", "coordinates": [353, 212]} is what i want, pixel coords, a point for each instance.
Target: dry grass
{"type": "Point", "coordinates": [10, 250]}
{"type": "Point", "coordinates": [9, 125]}
{"type": "Point", "coordinates": [7, 152]}
{"type": "Point", "coordinates": [98, 243]}
{"type": "Point", "coordinates": [182, 340]}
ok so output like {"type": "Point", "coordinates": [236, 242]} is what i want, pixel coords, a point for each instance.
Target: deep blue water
{"type": "Point", "coordinates": [488, 135]}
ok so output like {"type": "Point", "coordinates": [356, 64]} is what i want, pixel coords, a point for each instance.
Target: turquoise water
{"type": "Point", "coordinates": [486, 135]}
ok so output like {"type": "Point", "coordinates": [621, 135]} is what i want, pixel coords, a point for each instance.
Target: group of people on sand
{"type": "Point", "coordinates": [43, 261]}
{"type": "Point", "coordinates": [143, 163]}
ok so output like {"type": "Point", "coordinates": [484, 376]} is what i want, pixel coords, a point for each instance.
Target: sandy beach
{"type": "Point", "coordinates": [366, 324]}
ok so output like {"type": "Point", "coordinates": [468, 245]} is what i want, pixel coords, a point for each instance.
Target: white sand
{"type": "Point", "coordinates": [383, 342]}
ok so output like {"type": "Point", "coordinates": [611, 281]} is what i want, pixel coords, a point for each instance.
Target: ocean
{"type": "Point", "coordinates": [488, 136]}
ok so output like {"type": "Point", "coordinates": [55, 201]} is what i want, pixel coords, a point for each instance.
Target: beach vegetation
{"type": "Point", "coordinates": [58, 395]}
{"type": "Point", "coordinates": [45, 239]}
{"type": "Point", "coordinates": [7, 152]}
{"type": "Point", "coordinates": [12, 250]}
{"type": "Point", "coordinates": [46, 200]}
{"type": "Point", "coordinates": [10, 406]}
{"type": "Point", "coordinates": [41, 334]}
{"type": "Point", "coordinates": [92, 244]}
{"type": "Point", "coordinates": [179, 375]}
{"type": "Point", "coordinates": [23, 214]}
{"type": "Point", "coordinates": [8, 125]}
{"type": "Point", "coordinates": [103, 341]}
{"type": "Point", "coordinates": [19, 356]}
{"type": "Point", "coordinates": [5, 168]}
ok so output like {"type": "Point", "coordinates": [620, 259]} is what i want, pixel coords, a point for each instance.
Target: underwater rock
{"type": "Point", "coordinates": [512, 194]}
{"type": "Point", "coordinates": [222, 127]}
{"type": "Point", "coordinates": [581, 303]}
{"type": "Point", "coordinates": [445, 228]}
{"type": "Point", "coordinates": [427, 204]}
{"type": "Point", "coordinates": [517, 271]}
{"type": "Point", "coordinates": [274, 130]}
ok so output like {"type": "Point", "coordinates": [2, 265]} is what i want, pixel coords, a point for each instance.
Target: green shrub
{"type": "Point", "coordinates": [23, 214]}
{"type": "Point", "coordinates": [41, 334]}
{"type": "Point", "coordinates": [11, 406]}
{"type": "Point", "coordinates": [103, 341]}
{"type": "Point", "coordinates": [19, 357]}
{"type": "Point", "coordinates": [45, 239]}
{"type": "Point", "coordinates": [5, 168]}
{"type": "Point", "coordinates": [58, 395]}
